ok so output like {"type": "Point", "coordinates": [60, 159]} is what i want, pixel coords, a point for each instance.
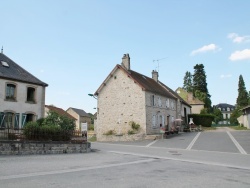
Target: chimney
{"type": "Point", "coordinates": [126, 61]}
{"type": "Point", "coordinates": [190, 97]}
{"type": "Point", "coordinates": [155, 75]}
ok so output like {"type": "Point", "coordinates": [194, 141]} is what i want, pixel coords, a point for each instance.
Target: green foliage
{"type": "Point", "coordinates": [91, 127]}
{"type": "Point", "coordinates": [92, 117]}
{"type": "Point", "coordinates": [134, 126]}
{"type": "Point", "coordinates": [204, 111]}
{"type": "Point", "coordinates": [130, 132]}
{"type": "Point", "coordinates": [54, 118]}
{"type": "Point", "coordinates": [187, 84]}
{"type": "Point", "coordinates": [202, 119]}
{"type": "Point", "coordinates": [235, 114]}
{"type": "Point", "coordinates": [200, 85]}
{"type": "Point", "coordinates": [217, 115]}
{"type": "Point", "coordinates": [243, 98]}
{"type": "Point", "coordinates": [33, 131]}
{"type": "Point", "coordinates": [110, 132]}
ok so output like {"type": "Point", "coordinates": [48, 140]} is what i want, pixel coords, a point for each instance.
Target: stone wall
{"type": "Point", "coordinates": [33, 148]}
{"type": "Point", "coordinates": [120, 102]}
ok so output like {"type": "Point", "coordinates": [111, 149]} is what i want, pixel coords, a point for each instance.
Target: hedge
{"type": "Point", "coordinates": [202, 119]}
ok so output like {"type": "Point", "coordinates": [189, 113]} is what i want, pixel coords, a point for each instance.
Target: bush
{"type": "Point", "coordinates": [202, 119]}
{"type": "Point", "coordinates": [130, 132]}
{"type": "Point", "coordinates": [33, 131]}
{"type": "Point", "coordinates": [91, 127]}
{"type": "Point", "coordinates": [110, 132]}
{"type": "Point", "coordinates": [134, 126]}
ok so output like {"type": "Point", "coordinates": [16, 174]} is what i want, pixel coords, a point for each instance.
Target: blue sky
{"type": "Point", "coordinates": [73, 45]}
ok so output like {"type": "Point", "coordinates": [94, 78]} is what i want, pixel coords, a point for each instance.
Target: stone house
{"type": "Point", "coordinates": [196, 104]}
{"type": "Point", "coordinates": [127, 96]}
{"type": "Point", "coordinates": [226, 110]}
{"type": "Point", "coordinates": [22, 95]}
{"type": "Point", "coordinates": [59, 111]}
{"type": "Point", "coordinates": [80, 115]}
{"type": "Point", "coordinates": [244, 119]}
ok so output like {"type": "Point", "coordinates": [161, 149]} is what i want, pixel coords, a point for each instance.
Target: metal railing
{"type": "Point", "coordinates": [36, 135]}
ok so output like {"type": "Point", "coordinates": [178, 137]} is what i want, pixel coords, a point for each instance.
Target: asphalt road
{"type": "Point", "coordinates": [206, 159]}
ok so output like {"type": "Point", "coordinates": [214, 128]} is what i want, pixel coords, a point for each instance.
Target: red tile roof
{"type": "Point", "coordinates": [60, 111]}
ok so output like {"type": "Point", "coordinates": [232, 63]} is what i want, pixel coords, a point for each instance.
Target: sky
{"type": "Point", "coordinates": [73, 45]}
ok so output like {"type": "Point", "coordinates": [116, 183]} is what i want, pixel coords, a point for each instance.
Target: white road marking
{"type": "Point", "coordinates": [73, 170]}
{"type": "Point", "coordinates": [193, 141]}
{"type": "Point", "coordinates": [183, 160]}
{"type": "Point", "coordinates": [242, 151]}
{"type": "Point", "coordinates": [150, 144]}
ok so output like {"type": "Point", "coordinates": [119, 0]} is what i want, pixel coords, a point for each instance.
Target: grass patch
{"type": "Point", "coordinates": [208, 128]}
{"type": "Point", "coordinates": [92, 139]}
{"type": "Point", "coordinates": [238, 128]}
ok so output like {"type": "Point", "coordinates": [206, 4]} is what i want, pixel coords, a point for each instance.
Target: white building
{"type": "Point", "coordinates": [22, 95]}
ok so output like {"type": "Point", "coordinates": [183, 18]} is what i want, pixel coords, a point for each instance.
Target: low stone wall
{"type": "Point", "coordinates": [116, 138]}
{"type": "Point", "coordinates": [33, 148]}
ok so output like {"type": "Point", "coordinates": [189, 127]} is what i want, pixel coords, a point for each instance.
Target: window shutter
{"type": "Point", "coordinates": [23, 120]}
{"type": "Point", "coordinates": [16, 126]}
{"type": "Point", "coordinates": [153, 121]}
{"type": "Point", "coordinates": [2, 116]}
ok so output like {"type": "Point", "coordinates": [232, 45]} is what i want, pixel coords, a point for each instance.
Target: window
{"type": "Point", "coordinates": [152, 100]}
{"type": "Point", "coordinates": [228, 109]}
{"type": "Point", "coordinates": [159, 101]}
{"type": "Point", "coordinates": [167, 103]}
{"type": "Point", "coordinates": [9, 120]}
{"type": "Point", "coordinates": [153, 122]}
{"type": "Point", "coordinates": [31, 94]}
{"type": "Point", "coordinates": [11, 92]}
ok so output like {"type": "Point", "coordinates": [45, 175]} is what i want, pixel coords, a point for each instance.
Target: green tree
{"type": "Point", "coordinates": [217, 115]}
{"type": "Point", "coordinates": [235, 114]}
{"type": "Point", "coordinates": [55, 119]}
{"type": "Point", "coordinates": [187, 84]}
{"type": "Point", "coordinates": [243, 98]}
{"type": "Point", "coordinates": [200, 85]}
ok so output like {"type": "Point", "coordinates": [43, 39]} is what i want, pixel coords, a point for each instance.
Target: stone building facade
{"type": "Point", "coordinates": [126, 96]}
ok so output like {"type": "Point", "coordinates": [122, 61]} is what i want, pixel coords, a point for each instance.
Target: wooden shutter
{"type": "Point", "coordinates": [23, 120]}
{"type": "Point", "coordinates": [16, 125]}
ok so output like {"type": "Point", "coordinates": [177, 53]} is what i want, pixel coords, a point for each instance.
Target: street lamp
{"type": "Point", "coordinates": [91, 95]}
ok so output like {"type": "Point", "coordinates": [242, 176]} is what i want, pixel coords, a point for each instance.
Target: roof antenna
{"type": "Point", "coordinates": [157, 60]}
{"type": "Point", "coordinates": [2, 50]}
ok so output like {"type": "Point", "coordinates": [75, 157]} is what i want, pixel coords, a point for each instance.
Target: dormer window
{"type": "Point", "coordinates": [5, 64]}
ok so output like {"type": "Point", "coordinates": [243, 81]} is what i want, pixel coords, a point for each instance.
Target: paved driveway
{"type": "Point", "coordinates": [221, 140]}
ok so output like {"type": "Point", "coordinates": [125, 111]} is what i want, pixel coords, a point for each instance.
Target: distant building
{"type": "Point", "coordinates": [80, 115]}
{"type": "Point", "coordinates": [22, 95]}
{"type": "Point", "coordinates": [59, 111]}
{"type": "Point", "coordinates": [226, 110]}
{"type": "Point", "coordinates": [196, 104]}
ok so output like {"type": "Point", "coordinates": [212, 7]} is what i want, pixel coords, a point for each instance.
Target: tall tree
{"type": "Point", "coordinates": [200, 85]}
{"type": "Point", "coordinates": [242, 99]}
{"type": "Point", "coordinates": [187, 84]}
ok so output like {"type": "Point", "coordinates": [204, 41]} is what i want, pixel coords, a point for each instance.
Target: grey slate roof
{"type": "Point", "coordinates": [16, 73]}
{"type": "Point", "coordinates": [80, 112]}
{"type": "Point", "coordinates": [224, 105]}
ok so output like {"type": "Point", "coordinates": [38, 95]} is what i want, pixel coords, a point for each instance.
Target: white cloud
{"type": "Point", "coordinates": [225, 75]}
{"type": "Point", "coordinates": [210, 47]}
{"type": "Point", "coordinates": [238, 39]}
{"type": "Point", "coordinates": [240, 55]}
